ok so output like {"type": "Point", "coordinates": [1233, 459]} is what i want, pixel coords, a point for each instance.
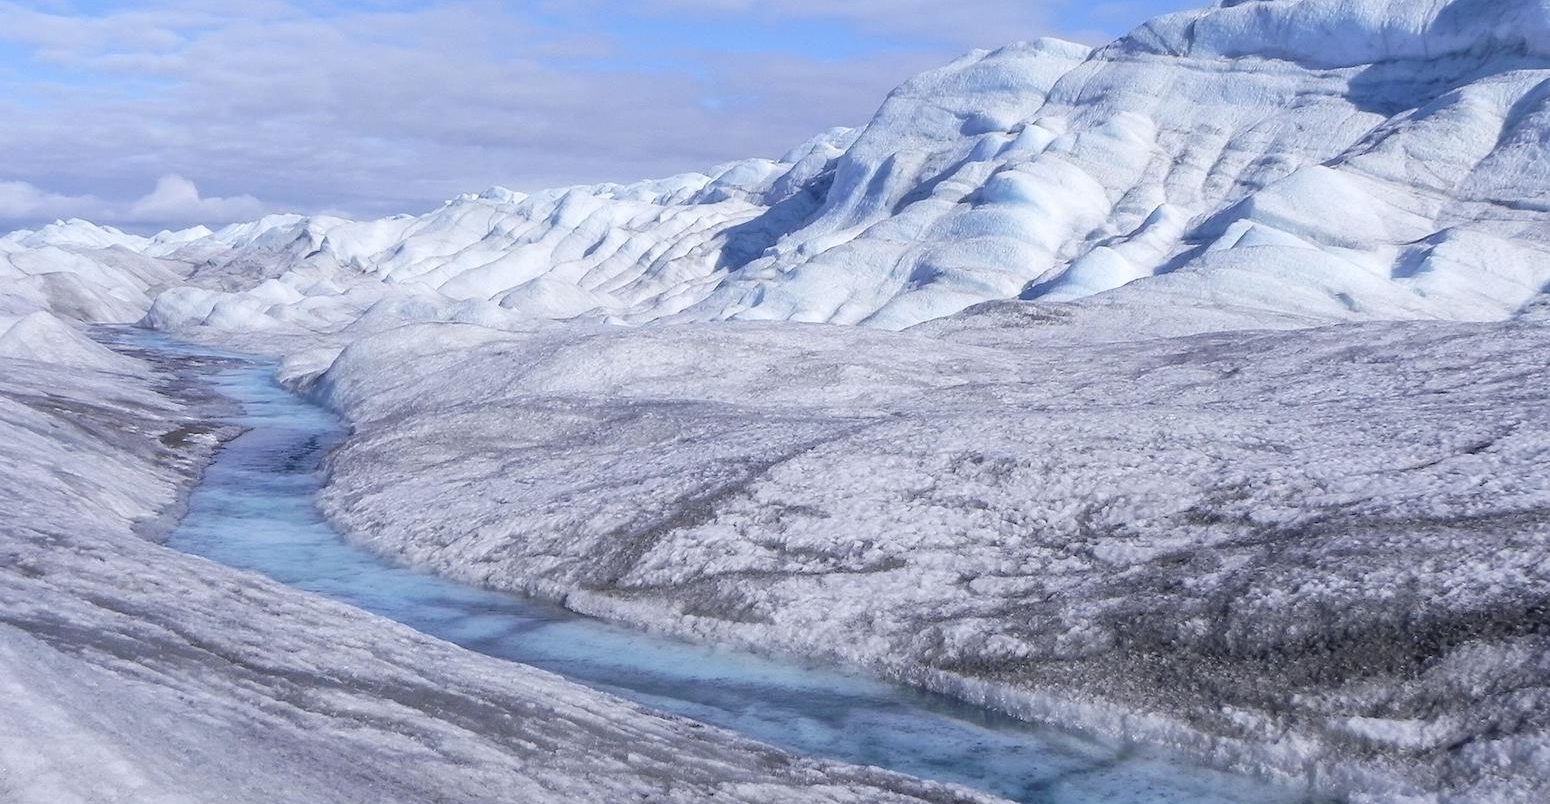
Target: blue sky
{"type": "Point", "coordinates": [169, 112]}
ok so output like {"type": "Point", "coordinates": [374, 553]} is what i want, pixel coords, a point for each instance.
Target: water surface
{"type": "Point", "coordinates": [255, 510]}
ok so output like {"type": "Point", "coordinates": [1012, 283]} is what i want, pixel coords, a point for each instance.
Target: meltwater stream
{"type": "Point", "coordinates": [254, 510]}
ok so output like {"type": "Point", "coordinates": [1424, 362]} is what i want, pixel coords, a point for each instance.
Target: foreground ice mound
{"type": "Point", "coordinates": [1322, 554]}
{"type": "Point", "coordinates": [1302, 161]}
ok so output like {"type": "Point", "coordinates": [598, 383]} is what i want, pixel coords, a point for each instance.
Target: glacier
{"type": "Point", "coordinates": [1186, 389]}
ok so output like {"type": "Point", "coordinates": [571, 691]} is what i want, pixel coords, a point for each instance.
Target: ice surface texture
{"type": "Point", "coordinates": [1321, 553]}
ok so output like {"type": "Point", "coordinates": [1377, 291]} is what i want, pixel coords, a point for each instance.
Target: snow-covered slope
{"type": "Point", "coordinates": [644, 250]}
{"type": "Point", "coordinates": [1304, 160]}
{"type": "Point", "coordinates": [1322, 554]}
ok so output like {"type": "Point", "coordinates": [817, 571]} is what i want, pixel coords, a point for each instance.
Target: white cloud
{"type": "Point", "coordinates": [380, 112]}
{"type": "Point", "coordinates": [392, 106]}
{"type": "Point", "coordinates": [20, 201]}
{"type": "Point", "coordinates": [174, 202]}
{"type": "Point", "coordinates": [177, 199]}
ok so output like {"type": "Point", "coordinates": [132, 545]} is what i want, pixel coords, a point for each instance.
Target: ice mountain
{"type": "Point", "coordinates": [1276, 161]}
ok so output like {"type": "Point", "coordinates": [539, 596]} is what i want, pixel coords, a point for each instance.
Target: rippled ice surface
{"type": "Point", "coordinates": [254, 510]}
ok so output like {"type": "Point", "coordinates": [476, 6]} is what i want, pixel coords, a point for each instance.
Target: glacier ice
{"type": "Point", "coordinates": [1195, 392]}
{"type": "Point", "coordinates": [1318, 553]}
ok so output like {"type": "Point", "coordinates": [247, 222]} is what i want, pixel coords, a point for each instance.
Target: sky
{"type": "Point", "coordinates": [166, 113]}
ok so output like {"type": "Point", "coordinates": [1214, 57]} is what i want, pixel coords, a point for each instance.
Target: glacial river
{"type": "Point", "coordinates": [255, 510]}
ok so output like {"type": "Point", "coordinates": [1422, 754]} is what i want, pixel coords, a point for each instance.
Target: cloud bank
{"type": "Point", "coordinates": [173, 203]}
